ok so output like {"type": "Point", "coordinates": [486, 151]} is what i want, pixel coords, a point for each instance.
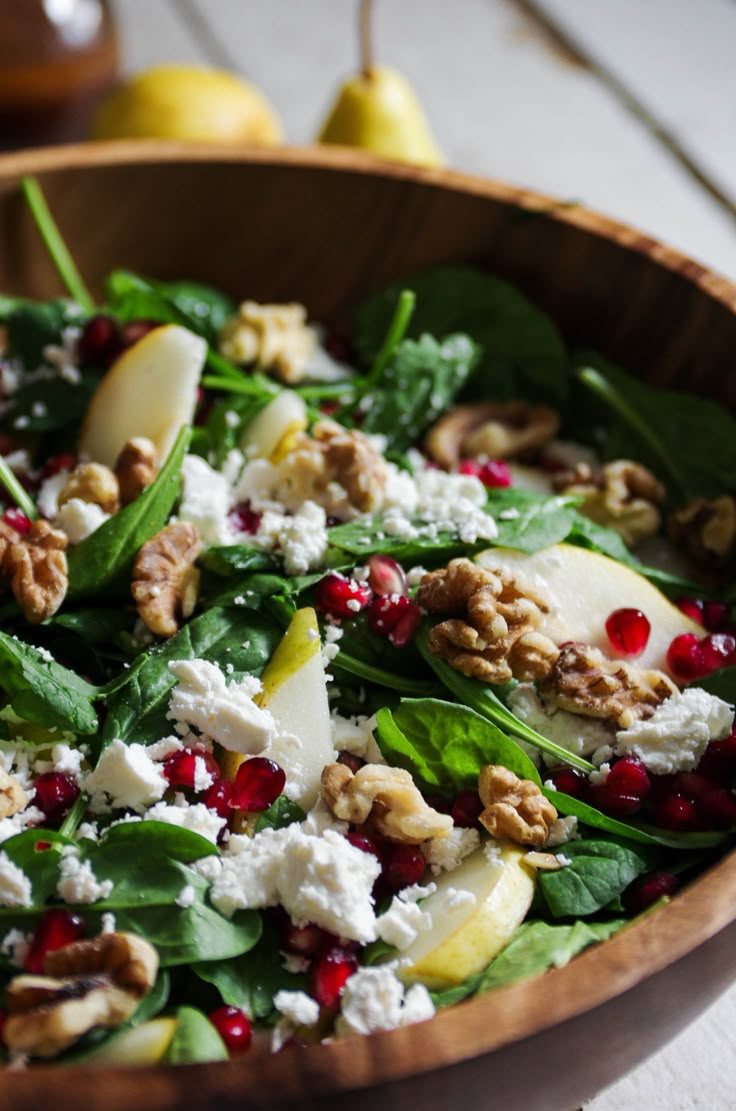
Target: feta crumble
{"type": "Point", "coordinates": [677, 734]}
{"type": "Point", "coordinates": [375, 999]}
{"type": "Point", "coordinates": [575, 733]}
{"type": "Point", "coordinates": [445, 854]}
{"type": "Point", "coordinates": [125, 776]}
{"type": "Point", "coordinates": [203, 699]}
{"type": "Point", "coordinates": [78, 883]}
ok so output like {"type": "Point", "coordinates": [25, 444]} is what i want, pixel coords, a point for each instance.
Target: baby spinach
{"type": "Point", "coordinates": [251, 981]}
{"type": "Point", "coordinates": [42, 691]}
{"type": "Point", "coordinates": [281, 813]}
{"type": "Point", "coordinates": [237, 559]}
{"type": "Point", "coordinates": [643, 835]}
{"type": "Point", "coordinates": [34, 325]}
{"type": "Point", "coordinates": [40, 865]}
{"type": "Point", "coordinates": [49, 405]}
{"type": "Point", "coordinates": [195, 1040]}
{"type": "Point", "coordinates": [599, 871]}
{"type": "Point", "coordinates": [364, 537]}
{"type": "Point", "coordinates": [721, 683]}
{"type": "Point", "coordinates": [102, 562]}
{"type": "Point", "coordinates": [538, 522]}
{"type": "Point", "coordinates": [523, 354]}
{"type": "Point", "coordinates": [445, 745]}
{"type": "Point", "coordinates": [198, 307]}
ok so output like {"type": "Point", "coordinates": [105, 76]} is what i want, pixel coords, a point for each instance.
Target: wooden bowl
{"type": "Point", "coordinates": [325, 227]}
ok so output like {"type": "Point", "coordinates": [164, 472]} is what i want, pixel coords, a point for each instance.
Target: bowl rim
{"type": "Point", "coordinates": [468, 1029]}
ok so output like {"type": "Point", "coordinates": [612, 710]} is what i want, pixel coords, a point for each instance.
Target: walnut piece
{"type": "Point", "coordinates": [95, 983]}
{"type": "Point", "coordinates": [583, 681]}
{"type": "Point", "coordinates": [515, 809]}
{"type": "Point", "coordinates": [496, 429]}
{"type": "Point", "coordinates": [94, 483]}
{"type": "Point", "coordinates": [37, 569]}
{"type": "Point", "coordinates": [706, 530]}
{"type": "Point", "coordinates": [165, 580]}
{"type": "Point", "coordinates": [623, 496]}
{"type": "Point", "coordinates": [276, 338]}
{"type": "Point", "coordinates": [388, 797]}
{"type": "Point", "coordinates": [135, 468]}
{"type": "Point", "coordinates": [12, 796]}
{"type": "Point", "coordinates": [321, 466]}
{"type": "Point", "coordinates": [494, 635]}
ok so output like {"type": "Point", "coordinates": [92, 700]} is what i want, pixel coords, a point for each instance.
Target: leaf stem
{"type": "Point", "coordinates": [245, 386]}
{"type": "Point", "coordinates": [69, 826]}
{"type": "Point", "coordinates": [365, 38]}
{"type": "Point", "coordinates": [16, 491]}
{"type": "Point", "coordinates": [420, 688]}
{"type": "Point", "coordinates": [224, 367]}
{"type": "Point", "coordinates": [55, 245]}
{"type": "Point", "coordinates": [396, 331]}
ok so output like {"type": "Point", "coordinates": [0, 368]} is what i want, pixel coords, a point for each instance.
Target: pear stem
{"type": "Point", "coordinates": [366, 37]}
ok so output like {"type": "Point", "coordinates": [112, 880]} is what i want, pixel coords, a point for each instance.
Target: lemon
{"type": "Point", "coordinates": [188, 103]}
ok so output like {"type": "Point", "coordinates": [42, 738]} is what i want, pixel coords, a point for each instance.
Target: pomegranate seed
{"type": "Point", "coordinates": [18, 520]}
{"type": "Point", "coordinates": [350, 761]}
{"type": "Point", "coordinates": [341, 597]}
{"type": "Point", "coordinates": [628, 776]}
{"type": "Point", "coordinates": [233, 1026]}
{"type": "Point", "coordinates": [244, 519]}
{"type": "Point", "coordinates": [719, 759]}
{"type": "Point", "coordinates": [685, 657]}
{"type": "Point", "coordinates": [329, 975]}
{"type": "Point", "coordinates": [329, 407]}
{"type": "Point", "coordinates": [718, 806]}
{"type": "Point", "coordinates": [405, 628]}
{"type": "Point", "coordinates": [135, 330]}
{"type": "Point", "coordinates": [386, 611]}
{"type": "Point", "coordinates": [691, 607]}
{"type": "Point", "coordinates": [99, 342]}
{"type": "Point", "coordinates": [339, 348]}
{"type": "Point", "coordinates": [364, 843]}
{"type": "Point", "coordinates": [615, 803]}
{"type": "Point", "coordinates": [466, 809]}
{"type": "Point", "coordinates": [386, 576]}
{"type": "Point", "coordinates": [307, 941]}
{"type": "Point", "coordinates": [218, 797]}
{"type": "Point", "coordinates": [259, 783]}
{"type": "Point", "coordinates": [56, 793]}
{"type": "Point", "coordinates": [628, 631]}
{"type": "Point", "coordinates": [181, 768]}
{"type": "Point", "coordinates": [716, 616]}
{"type": "Point", "coordinates": [438, 803]}
{"type": "Point", "coordinates": [676, 812]}
{"type": "Point", "coordinates": [718, 650]}
{"type": "Point", "coordinates": [66, 461]}
{"type": "Point", "coordinates": [496, 474]}
{"type": "Point", "coordinates": [570, 781]}
{"type": "Point", "coordinates": [645, 891]}
{"type": "Point", "coordinates": [403, 865]}
{"type": "Point", "coordinates": [691, 785]}
{"type": "Point", "coordinates": [56, 928]}
{"type": "Point", "coordinates": [469, 466]}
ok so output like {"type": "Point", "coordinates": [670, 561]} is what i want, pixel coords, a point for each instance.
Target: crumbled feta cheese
{"type": "Point", "coordinates": [79, 519]}
{"type": "Point", "coordinates": [561, 831]}
{"type": "Point", "coordinates": [675, 737]}
{"type": "Point", "coordinates": [108, 923]}
{"type": "Point", "coordinates": [48, 494]}
{"type": "Point", "coordinates": [575, 733]}
{"type": "Point", "coordinates": [15, 946]}
{"type": "Point", "coordinates": [355, 735]}
{"type": "Point", "coordinates": [20, 822]}
{"type": "Point", "coordinates": [125, 776]}
{"type": "Point", "coordinates": [63, 357]}
{"type": "Point", "coordinates": [88, 831]}
{"type": "Point", "coordinates": [298, 1007]}
{"type": "Point", "coordinates": [15, 887]}
{"type": "Point", "coordinates": [600, 775]}
{"type": "Point", "coordinates": [375, 999]}
{"type": "Point", "coordinates": [198, 818]}
{"type": "Point", "coordinates": [186, 896]}
{"type": "Point", "coordinates": [303, 539]}
{"type": "Point", "coordinates": [404, 920]}
{"type": "Point", "coordinates": [78, 883]}
{"type": "Point", "coordinates": [205, 501]}
{"type": "Point", "coordinates": [167, 746]}
{"type": "Point", "coordinates": [415, 575]}
{"type": "Point", "coordinates": [203, 699]}
{"type": "Point", "coordinates": [455, 897]}
{"type": "Point", "coordinates": [202, 777]}
{"type": "Point", "coordinates": [445, 854]}
{"type": "Point", "coordinates": [64, 759]}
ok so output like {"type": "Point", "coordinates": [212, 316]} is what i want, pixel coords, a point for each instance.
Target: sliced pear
{"type": "Point", "coordinates": [295, 692]}
{"type": "Point", "coordinates": [466, 934]}
{"type": "Point", "coordinates": [584, 587]}
{"type": "Point", "coordinates": [143, 1045]}
{"type": "Point", "coordinates": [150, 390]}
{"type": "Point", "coordinates": [533, 479]}
{"type": "Point", "coordinates": [270, 434]}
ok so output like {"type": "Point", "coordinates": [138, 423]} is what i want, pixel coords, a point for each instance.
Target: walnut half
{"type": "Point", "coordinates": [623, 495]}
{"type": "Point", "coordinates": [135, 468]}
{"type": "Point", "coordinates": [95, 983]}
{"type": "Point", "coordinates": [496, 429]}
{"type": "Point", "coordinates": [12, 796]}
{"type": "Point", "coordinates": [37, 568]}
{"type": "Point", "coordinates": [388, 797]}
{"type": "Point", "coordinates": [165, 580]}
{"type": "Point", "coordinates": [515, 809]}
{"type": "Point", "coordinates": [706, 530]}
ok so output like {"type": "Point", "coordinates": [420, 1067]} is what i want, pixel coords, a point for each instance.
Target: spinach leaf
{"type": "Point", "coordinates": [236, 559]}
{"type": "Point", "coordinates": [102, 562]}
{"type": "Point", "coordinates": [642, 834]}
{"type": "Point", "coordinates": [34, 325]}
{"type": "Point", "coordinates": [539, 521]}
{"type": "Point", "coordinates": [194, 933]}
{"type": "Point", "coordinates": [445, 745]}
{"type": "Point", "coordinates": [96, 625]}
{"type": "Point", "coordinates": [721, 683]}
{"type": "Point", "coordinates": [42, 691]}
{"type": "Point", "coordinates": [195, 1040]}
{"type": "Point", "coordinates": [281, 813]}
{"type": "Point", "coordinates": [138, 709]}
{"type": "Point", "coordinates": [228, 417]}
{"type": "Point", "coordinates": [251, 981]}
{"type": "Point", "coordinates": [420, 381]}
{"type": "Point", "coordinates": [364, 537]}
{"type": "Point", "coordinates": [198, 307]}
{"type": "Point", "coordinates": [523, 352]}
{"type": "Point", "coordinates": [599, 871]}
{"type": "Point", "coordinates": [40, 865]}
{"type": "Point", "coordinates": [49, 404]}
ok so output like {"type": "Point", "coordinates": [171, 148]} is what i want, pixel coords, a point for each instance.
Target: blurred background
{"type": "Point", "coordinates": [626, 105]}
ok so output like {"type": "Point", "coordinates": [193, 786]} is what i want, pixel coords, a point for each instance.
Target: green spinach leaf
{"type": "Point", "coordinates": [34, 325]}
{"type": "Point", "coordinates": [42, 691]}
{"type": "Point", "coordinates": [195, 1040]}
{"type": "Point", "coordinates": [599, 871]}
{"type": "Point", "coordinates": [251, 981]}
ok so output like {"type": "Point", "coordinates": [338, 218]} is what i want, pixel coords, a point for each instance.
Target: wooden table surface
{"type": "Point", "coordinates": [626, 105]}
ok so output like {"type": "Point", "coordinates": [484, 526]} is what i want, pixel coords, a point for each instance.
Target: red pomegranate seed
{"type": "Point", "coordinates": [329, 975]}
{"type": "Point", "coordinates": [628, 776]}
{"type": "Point", "coordinates": [364, 843]}
{"type": "Point", "coordinates": [466, 809]}
{"type": "Point", "coordinates": [685, 657]}
{"type": "Point", "coordinates": [645, 891]}
{"type": "Point", "coordinates": [66, 461]}
{"type": "Point", "coordinates": [135, 330]}
{"type": "Point", "coordinates": [615, 803]}
{"type": "Point", "coordinates": [341, 597]}
{"type": "Point", "coordinates": [306, 941]}
{"type": "Point", "coordinates": [628, 631]}
{"type": "Point", "coordinates": [718, 806]}
{"type": "Point", "coordinates": [259, 783]}
{"type": "Point", "coordinates": [469, 466]}
{"type": "Point", "coordinates": [691, 607]}
{"type": "Point", "coordinates": [403, 865]}
{"type": "Point", "coordinates": [329, 407]}
{"type": "Point", "coordinates": [496, 474]}
{"type": "Point", "coordinates": [244, 519]}
{"type": "Point", "coordinates": [718, 650]}
{"type": "Point", "coordinates": [350, 761]}
{"type": "Point", "coordinates": [691, 785]}
{"type": "Point", "coordinates": [181, 768]}
{"type": "Point", "coordinates": [439, 803]}
{"type": "Point", "coordinates": [405, 628]}
{"type": "Point", "coordinates": [716, 616]}
{"type": "Point", "coordinates": [99, 342]}
{"type": "Point", "coordinates": [386, 611]}
{"type": "Point", "coordinates": [56, 928]}
{"type": "Point", "coordinates": [719, 759]}
{"type": "Point", "coordinates": [570, 781]}
{"type": "Point", "coordinates": [17, 519]}
{"type": "Point", "coordinates": [56, 793]}
{"type": "Point", "coordinates": [339, 347]}
{"type": "Point", "coordinates": [676, 812]}
{"type": "Point", "coordinates": [233, 1026]}
{"type": "Point", "coordinates": [386, 576]}
{"type": "Point", "coordinates": [218, 797]}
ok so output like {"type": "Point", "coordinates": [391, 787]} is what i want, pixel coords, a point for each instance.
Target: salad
{"type": "Point", "coordinates": [343, 677]}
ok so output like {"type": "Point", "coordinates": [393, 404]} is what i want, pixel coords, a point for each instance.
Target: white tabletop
{"type": "Point", "coordinates": [626, 105]}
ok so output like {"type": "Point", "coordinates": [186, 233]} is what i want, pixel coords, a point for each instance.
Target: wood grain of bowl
{"type": "Point", "coordinates": [325, 227]}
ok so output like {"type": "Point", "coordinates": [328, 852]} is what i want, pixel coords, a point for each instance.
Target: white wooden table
{"type": "Point", "coordinates": [626, 105]}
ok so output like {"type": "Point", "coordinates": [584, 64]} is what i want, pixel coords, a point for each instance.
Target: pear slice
{"type": "Point", "coordinates": [466, 934]}
{"type": "Point", "coordinates": [583, 588]}
{"type": "Point", "coordinates": [150, 390]}
{"type": "Point", "coordinates": [295, 692]}
{"type": "Point", "coordinates": [270, 434]}
{"type": "Point", "coordinates": [143, 1045]}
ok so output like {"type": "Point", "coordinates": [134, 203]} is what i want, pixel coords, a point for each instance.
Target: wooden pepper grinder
{"type": "Point", "coordinates": [57, 57]}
